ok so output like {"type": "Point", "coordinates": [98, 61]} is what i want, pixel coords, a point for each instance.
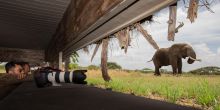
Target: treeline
{"type": "Point", "coordinates": [110, 65]}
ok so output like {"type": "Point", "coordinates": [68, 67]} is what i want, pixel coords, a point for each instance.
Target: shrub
{"type": "Point", "coordinates": [92, 67]}
{"type": "Point", "coordinates": [73, 66]}
{"type": "Point", "coordinates": [113, 65]}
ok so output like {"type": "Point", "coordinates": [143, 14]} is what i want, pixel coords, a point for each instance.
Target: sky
{"type": "Point", "coordinates": [203, 35]}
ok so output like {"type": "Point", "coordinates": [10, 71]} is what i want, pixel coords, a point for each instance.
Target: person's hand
{"type": "Point", "coordinates": [21, 76]}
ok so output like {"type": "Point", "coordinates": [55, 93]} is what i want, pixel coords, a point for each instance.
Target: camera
{"type": "Point", "coordinates": [47, 76]}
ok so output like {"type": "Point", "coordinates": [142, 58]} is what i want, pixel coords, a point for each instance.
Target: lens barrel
{"type": "Point", "coordinates": [46, 78]}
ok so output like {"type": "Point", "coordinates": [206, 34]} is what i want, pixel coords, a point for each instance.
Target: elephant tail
{"type": "Point", "coordinates": [150, 60]}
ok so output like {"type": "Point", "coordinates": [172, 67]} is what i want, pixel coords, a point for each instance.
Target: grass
{"type": "Point", "coordinates": [191, 90]}
{"type": "Point", "coordinates": [2, 69]}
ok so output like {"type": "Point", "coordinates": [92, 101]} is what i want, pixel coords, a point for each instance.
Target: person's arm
{"type": "Point", "coordinates": [21, 76]}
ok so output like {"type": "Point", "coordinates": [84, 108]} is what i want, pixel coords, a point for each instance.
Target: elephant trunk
{"type": "Point", "coordinates": [192, 56]}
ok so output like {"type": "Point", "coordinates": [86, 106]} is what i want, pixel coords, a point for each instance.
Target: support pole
{"type": "Point", "coordinates": [60, 60]}
{"type": "Point", "coordinates": [67, 62]}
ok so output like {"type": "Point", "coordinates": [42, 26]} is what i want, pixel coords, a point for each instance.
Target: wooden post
{"type": "Point", "coordinates": [172, 22]}
{"type": "Point", "coordinates": [104, 59]}
{"type": "Point", "coordinates": [67, 62]}
{"type": "Point", "coordinates": [60, 60]}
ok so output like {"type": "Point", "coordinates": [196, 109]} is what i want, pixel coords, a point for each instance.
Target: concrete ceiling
{"type": "Point", "coordinates": [29, 24]}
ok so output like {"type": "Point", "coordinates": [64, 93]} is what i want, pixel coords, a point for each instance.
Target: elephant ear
{"type": "Point", "coordinates": [183, 51]}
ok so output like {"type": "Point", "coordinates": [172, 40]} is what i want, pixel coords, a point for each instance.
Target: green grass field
{"type": "Point", "coordinates": [2, 69]}
{"type": "Point", "coordinates": [190, 90]}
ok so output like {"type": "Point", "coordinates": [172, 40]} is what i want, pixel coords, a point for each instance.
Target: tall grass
{"type": "Point", "coordinates": [194, 90]}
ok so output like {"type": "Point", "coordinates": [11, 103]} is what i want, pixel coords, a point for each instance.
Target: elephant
{"type": "Point", "coordinates": [173, 56]}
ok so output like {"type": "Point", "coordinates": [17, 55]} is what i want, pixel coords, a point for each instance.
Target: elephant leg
{"type": "Point", "coordinates": [157, 71]}
{"type": "Point", "coordinates": [174, 69]}
{"type": "Point", "coordinates": [179, 64]}
{"type": "Point", "coordinates": [174, 66]}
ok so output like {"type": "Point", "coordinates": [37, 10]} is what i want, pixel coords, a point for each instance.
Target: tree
{"type": "Point", "coordinates": [74, 57]}
{"type": "Point", "coordinates": [73, 61]}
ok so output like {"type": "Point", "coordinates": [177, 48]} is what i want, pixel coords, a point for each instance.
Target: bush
{"type": "Point", "coordinates": [92, 67]}
{"type": "Point", "coordinates": [145, 70]}
{"type": "Point", "coordinates": [113, 65]}
{"type": "Point", "coordinates": [73, 66]}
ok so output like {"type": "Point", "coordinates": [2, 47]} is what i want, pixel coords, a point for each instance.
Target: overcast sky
{"type": "Point", "coordinates": [203, 35]}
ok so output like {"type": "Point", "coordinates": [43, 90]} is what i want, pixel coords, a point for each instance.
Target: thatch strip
{"type": "Point", "coordinates": [192, 10]}
{"type": "Point", "coordinates": [207, 5]}
{"type": "Point", "coordinates": [124, 38]}
{"type": "Point", "coordinates": [104, 59]}
{"type": "Point", "coordinates": [179, 26]}
{"type": "Point", "coordinates": [172, 22]}
{"type": "Point", "coordinates": [95, 50]}
{"type": "Point", "coordinates": [86, 50]}
{"type": "Point", "coordinates": [128, 39]}
{"type": "Point", "coordinates": [120, 35]}
{"type": "Point", "coordinates": [146, 35]}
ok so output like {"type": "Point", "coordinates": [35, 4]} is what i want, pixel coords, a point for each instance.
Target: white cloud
{"type": "Point", "coordinates": [218, 51]}
{"type": "Point", "coordinates": [203, 35]}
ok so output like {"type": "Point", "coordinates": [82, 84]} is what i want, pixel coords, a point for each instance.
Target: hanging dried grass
{"type": "Point", "coordinates": [104, 59]}
{"type": "Point", "coordinates": [172, 22]}
{"type": "Point", "coordinates": [86, 50]}
{"type": "Point", "coordinates": [124, 38]}
{"type": "Point", "coordinates": [96, 49]}
{"type": "Point", "coordinates": [207, 5]}
{"type": "Point", "coordinates": [192, 10]}
{"type": "Point", "coordinates": [147, 36]}
{"type": "Point", "coordinates": [120, 39]}
{"type": "Point", "coordinates": [128, 39]}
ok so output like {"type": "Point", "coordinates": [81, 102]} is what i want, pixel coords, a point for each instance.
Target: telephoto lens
{"type": "Point", "coordinates": [47, 77]}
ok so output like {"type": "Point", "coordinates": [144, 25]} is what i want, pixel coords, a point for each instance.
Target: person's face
{"type": "Point", "coordinates": [17, 70]}
{"type": "Point", "coordinates": [26, 68]}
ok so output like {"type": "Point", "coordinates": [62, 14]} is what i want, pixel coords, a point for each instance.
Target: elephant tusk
{"type": "Point", "coordinates": [195, 59]}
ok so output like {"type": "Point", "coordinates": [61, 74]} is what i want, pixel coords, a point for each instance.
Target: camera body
{"type": "Point", "coordinates": [45, 77]}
